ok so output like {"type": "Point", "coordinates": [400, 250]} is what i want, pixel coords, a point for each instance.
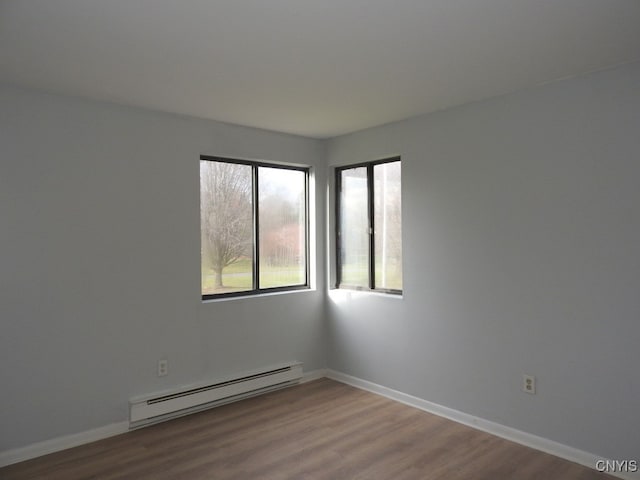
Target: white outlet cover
{"type": "Point", "coordinates": [163, 368]}
{"type": "Point", "coordinates": [529, 384]}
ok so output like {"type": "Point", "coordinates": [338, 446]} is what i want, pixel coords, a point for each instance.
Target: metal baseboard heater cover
{"type": "Point", "coordinates": [152, 409]}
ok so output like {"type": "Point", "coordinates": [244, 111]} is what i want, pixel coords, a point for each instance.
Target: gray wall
{"type": "Point", "coordinates": [99, 272]}
{"type": "Point", "coordinates": [521, 255]}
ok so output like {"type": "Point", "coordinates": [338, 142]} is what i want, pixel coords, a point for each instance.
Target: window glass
{"type": "Point", "coordinates": [369, 226]}
{"type": "Point", "coordinates": [354, 228]}
{"type": "Point", "coordinates": [282, 224]}
{"type": "Point", "coordinates": [388, 225]}
{"type": "Point", "coordinates": [226, 207]}
{"type": "Point", "coordinates": [237, 196]}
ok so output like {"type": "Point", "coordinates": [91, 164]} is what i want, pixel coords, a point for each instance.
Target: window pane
{"type": "Point", "coordinates": [388, 226]}
{"type": "Point", "coordinates": [226, 227]}
{"type": "Point", "coordinates": [354, 228]}
{"type": "Point", "coordinates": [282, 227]}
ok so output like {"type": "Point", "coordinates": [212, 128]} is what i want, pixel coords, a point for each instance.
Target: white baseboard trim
{"type": "Point", "coordinates": [313, 375]}
{"type": "Point", "coordinates": [527, 439]}
{"type": "Point", "coordinates": [45, 447]}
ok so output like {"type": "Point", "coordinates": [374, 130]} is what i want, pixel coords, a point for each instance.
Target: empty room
{"type": "Point", "coordinates": [354, 239]}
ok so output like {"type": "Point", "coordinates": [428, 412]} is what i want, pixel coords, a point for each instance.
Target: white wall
{"type": "Point", "coordinates": [521, 255]}
{"type": "Point", "coordinates": [99, 272]}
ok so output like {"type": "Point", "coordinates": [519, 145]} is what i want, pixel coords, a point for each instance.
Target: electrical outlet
{"type": "Point", "coordinates": [163, 367]}
{"type": "Point", "coordinates": [529, 384]}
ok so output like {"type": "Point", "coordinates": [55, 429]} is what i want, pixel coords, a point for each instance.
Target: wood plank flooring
{"type": "Point", "coordinates": [318, 430]}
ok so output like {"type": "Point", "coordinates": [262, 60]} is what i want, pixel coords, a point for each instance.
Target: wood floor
{"type": "Point", "coordinates": [318, 430]}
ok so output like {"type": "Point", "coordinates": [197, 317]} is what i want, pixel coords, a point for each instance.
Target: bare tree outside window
{"type": "Point", "coordinates": [235, 197]}
{"type": "Point", "coordinates": [226, 225]}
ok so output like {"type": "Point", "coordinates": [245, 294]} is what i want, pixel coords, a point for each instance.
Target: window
{"type": "Point", "coordinates": [369, 226]}
{"type": "Point", "coordinates": [254, 227]}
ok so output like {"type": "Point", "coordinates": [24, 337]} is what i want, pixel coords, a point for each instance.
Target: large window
{"type": "Point", "coordinates": [254, 227]}
{"type": "Point", "coordinates": [369, 226]}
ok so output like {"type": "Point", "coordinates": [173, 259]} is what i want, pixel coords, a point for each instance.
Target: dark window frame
{"type": "Point", "coordinates": [371, 217]}
{"type": "Point", "coordinates": [257, 290]}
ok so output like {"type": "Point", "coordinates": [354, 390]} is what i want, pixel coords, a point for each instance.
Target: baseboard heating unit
{"type": "Point", "coordinates": [165, 405]}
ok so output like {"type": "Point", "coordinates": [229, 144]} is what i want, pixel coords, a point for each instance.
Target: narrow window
{"type": "Point", "coordinates": [282, 236]}
{"type": "Point", "coordinates": [254, 227]}
{"type": "Point", "coordinates": [369, 226]}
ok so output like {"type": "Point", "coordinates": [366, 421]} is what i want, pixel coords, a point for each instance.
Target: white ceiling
{"type": "Point", "coordinates": [311, 67]}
